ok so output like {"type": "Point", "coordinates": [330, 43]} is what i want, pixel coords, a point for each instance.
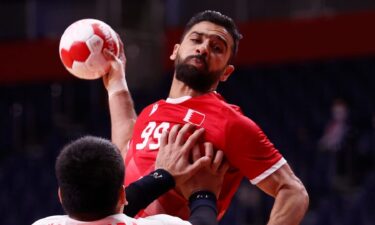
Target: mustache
{"type": "Point", "coordinates": [200, 57]}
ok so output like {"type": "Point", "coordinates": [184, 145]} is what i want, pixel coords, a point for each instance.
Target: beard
{"type": "Point", "coordinates": [198, 79]}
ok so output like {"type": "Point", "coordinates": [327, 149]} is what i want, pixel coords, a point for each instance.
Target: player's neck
{"type": "Point", "coordinates": [180, 89]}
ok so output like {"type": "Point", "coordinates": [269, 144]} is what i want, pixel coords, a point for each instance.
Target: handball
{"type": "Point", "coordinates": [81, 48]}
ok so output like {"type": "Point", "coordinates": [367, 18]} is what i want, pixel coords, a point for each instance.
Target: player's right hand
{"type": "Point", "coordinates": [114, 81]}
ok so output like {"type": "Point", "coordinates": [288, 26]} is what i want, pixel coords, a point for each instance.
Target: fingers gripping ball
{"type": "Point", "coordinates": [81, 48]}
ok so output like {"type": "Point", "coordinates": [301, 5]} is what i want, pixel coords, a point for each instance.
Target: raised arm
{"type": "Point", "coordinates": [291, 198]}
{"type": "Point", "coordinates": [121, 106]}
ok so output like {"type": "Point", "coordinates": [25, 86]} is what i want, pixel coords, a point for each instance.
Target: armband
{"type": "Point", "coordinates": [202, 198]}
{"type": "Point", "coordinates": [145, 190]}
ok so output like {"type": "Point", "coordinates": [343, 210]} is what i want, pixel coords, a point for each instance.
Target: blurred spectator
{"type": "Point", "coordinates": [337, 128]}
{"type": "Point", "coordinates": [336, 152]}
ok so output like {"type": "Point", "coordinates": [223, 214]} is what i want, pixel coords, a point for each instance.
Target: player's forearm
{"type": "Point", "coordinates": [123, 117]}
{"type": "Point", "coordinates": [290, 205]}
{"type": "Point", "coordinates": [145, 190]}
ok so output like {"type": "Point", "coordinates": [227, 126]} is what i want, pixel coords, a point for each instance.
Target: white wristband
{"type": "Point", "coordinates": [117, 86]}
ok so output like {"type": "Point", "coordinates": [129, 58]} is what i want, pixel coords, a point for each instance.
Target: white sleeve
{"type": "Point", "coordinates": [162, 219]}
{"type": "Point", "coordinates": [51, 220]}
{"type": "Point", "coordinates": [269, 171]}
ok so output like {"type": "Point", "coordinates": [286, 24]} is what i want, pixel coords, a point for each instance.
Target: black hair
{"type": "Point", "coordinates": [218, 19]}
{"type": "Point", "coordinates": [90, 172]}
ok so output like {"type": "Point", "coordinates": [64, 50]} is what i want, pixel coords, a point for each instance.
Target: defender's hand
{"type": "Point", "coordinates": [209, 178]}
{"type": "Point", "coordinates": [175, 153]}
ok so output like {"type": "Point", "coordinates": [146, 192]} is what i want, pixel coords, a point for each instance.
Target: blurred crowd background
{"type": "Point", "coordinates": [305, 73]}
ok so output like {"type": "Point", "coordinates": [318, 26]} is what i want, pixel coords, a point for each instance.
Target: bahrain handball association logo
{"type": "Point", "coordinates": [194, 117]}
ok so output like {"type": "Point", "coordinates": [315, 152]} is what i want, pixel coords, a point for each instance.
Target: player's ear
{"type": "Point", "coordinates": [121, 202]}
{"type": "Point", "coordinates": [59, 194]}
{"type": "Point", "coordinates": [174, 53]}
{"type": "Point", "coordinates": [227, 72]}
{"type": "Point", "coordinates": [122, 196]}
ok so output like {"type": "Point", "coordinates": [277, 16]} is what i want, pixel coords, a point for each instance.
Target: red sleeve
{"type": "Point", "coordinates": [250, 150]}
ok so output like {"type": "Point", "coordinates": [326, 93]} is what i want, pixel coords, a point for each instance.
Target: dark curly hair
{"type": "Point", "coordinates": [90, 172]}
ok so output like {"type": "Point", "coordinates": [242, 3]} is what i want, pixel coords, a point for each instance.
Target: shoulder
{"type": "Point", "coordinates": [229, 108]}
{"type": "Point", "coordinates": [150, 106]}
{"type": "Point", "coordinates": [218, 102]}
{"type": "Point", "coordinates": [232, 114]}
{"type": "Point", "coordinates": [150, 109]}
{"type": "Point", "coordinates": [236, 120]}
{"type": "Point", "coordinates": [51, 220]}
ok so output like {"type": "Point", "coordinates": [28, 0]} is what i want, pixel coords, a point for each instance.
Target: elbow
{"type": "Point", "coordinates": [306, 199]}
{"type": "Point", "coordinates": [298, 193]}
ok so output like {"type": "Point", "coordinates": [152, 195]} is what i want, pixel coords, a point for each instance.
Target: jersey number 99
{"type": "Point", "coordinates": [154, 131]}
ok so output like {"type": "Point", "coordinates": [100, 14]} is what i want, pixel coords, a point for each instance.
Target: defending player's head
{"type": "Point", "coordinates": [90, 174]}
{"type": "Point", "coordinates": [208, 44]}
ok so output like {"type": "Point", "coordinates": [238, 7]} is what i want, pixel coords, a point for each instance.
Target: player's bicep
{"type": "Point", "coordinates": [281, 178]}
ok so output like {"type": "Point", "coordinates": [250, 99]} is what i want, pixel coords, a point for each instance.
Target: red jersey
{"type": "Point", "coordinates": [246, 147]}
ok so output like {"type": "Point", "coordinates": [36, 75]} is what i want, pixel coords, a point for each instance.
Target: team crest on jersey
{"type": "Point", "coordinates": [154, 108]}
{"type": "Point", "coordinates": [194, 117]}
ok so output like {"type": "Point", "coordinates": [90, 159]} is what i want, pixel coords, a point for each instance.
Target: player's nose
{"type": "Point", "coordinates": [202, 49]}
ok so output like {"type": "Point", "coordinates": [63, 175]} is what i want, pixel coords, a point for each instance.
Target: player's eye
{"type": "Point", "coordinates": [195, 40]}
{"type": "Point", "coordinates": [217, 48]}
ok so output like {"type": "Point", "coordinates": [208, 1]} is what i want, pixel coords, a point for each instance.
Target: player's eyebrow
{"type": "Point", "coordinates": [219, 37]}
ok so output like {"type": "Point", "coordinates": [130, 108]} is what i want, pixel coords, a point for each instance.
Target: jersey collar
{"type": "Point", "coordinates": [182, 99]}
{"type": "Point", "coordinates": [178, 100]}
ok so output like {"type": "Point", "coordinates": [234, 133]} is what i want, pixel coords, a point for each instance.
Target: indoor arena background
{"type": "Point", "coordinates": [299, 63]}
